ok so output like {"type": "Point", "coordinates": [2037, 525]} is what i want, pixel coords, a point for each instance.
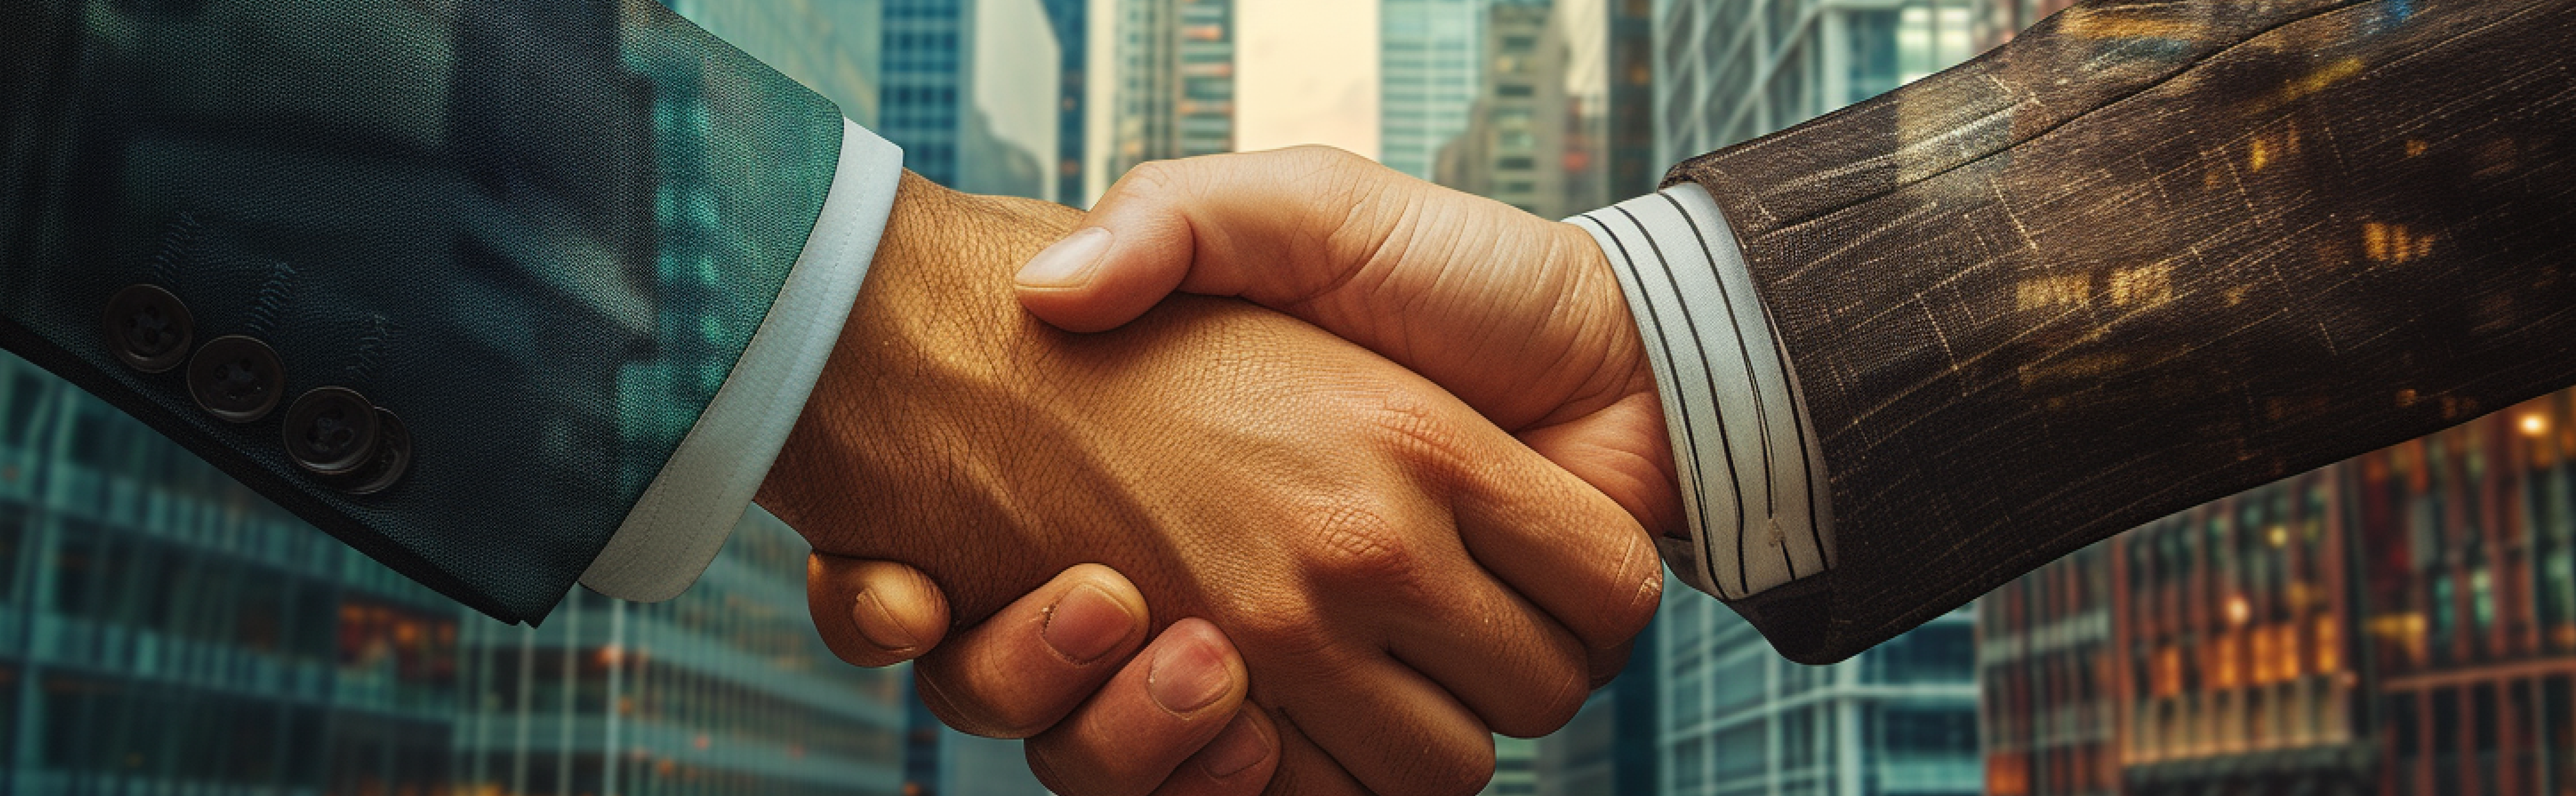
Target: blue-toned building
{"type": "Point", "coordinates": [165, 630]}
{"type": "Point", "coordinates": [831, 46]}
{"type": "Point", "coordinates": [1739, 719]}
{"type": "Point", "coordinates": [1072, 22]}
{"type": "Point", "coordinates": [970, 90]}
{"type": "Point", "coordinates": [725, 690]}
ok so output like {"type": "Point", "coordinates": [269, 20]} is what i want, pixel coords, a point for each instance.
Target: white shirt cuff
{"type": "Point", "coordinates": [1753, 478]}
{"type": "Point", "coordinates": [674, 531]}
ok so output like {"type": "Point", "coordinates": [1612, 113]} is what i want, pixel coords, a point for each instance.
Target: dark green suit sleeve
{"type": "Point", "coordinates": [537, 232]}
{"type": "Point", "coordinates": [2146, 255]}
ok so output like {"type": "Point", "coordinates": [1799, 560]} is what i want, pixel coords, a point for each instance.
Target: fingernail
{"type": "Point", "coordinates": [1187, 676]}
{"type": "Point", "coordinates": [1237, 748]}
{"type": "Point", "coordinates": [1069, 262]}
{"type": "Point", "coordinates": [1086, 624]}
{"type": "Point", "coordinates": [878, 625]}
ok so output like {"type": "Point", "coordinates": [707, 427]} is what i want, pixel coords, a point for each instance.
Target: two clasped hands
{"type": "Point", "coordinates": [1324, 540]}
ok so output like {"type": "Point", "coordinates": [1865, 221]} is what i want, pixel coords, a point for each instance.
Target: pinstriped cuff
{"type": "Point", "coordinates": [1753, 480]}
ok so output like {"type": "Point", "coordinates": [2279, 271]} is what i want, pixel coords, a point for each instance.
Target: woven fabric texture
{"type": "Point", "coordinates": [539, 231]}
{"type": "Point", "coordinates": [2148, 254]}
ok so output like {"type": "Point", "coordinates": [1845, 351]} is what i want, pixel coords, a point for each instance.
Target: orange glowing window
{"type": "Point", "coordinates": [2168, 672]}
{"type": "Point", "coordinates": [2326, 646]}
{"type": "Point", "coordinates": [2260, 642]}
{"type": "Point", "coordinates": [2222, 653]}
{"type": "Point", "coordinates": [2007, 775]}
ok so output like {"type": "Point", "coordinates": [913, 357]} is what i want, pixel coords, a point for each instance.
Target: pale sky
{"type": "Point", "coordinates": [1306, 73]}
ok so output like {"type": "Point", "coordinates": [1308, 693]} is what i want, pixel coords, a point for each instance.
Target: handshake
{"type": "Point", "coordinates": [1327, 547]}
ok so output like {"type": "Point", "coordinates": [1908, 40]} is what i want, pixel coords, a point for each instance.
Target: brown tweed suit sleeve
{"type": "Point", "coordinates": [2147, 255]}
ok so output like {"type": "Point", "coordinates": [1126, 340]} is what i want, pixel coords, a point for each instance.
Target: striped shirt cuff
{"type": "Point", "coordinates": [1753, 480]}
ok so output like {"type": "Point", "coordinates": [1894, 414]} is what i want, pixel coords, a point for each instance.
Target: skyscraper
{"type": "Point", "coordinates": [1603, 51]}
{"type": "Point", "coordinates": [1739, 719]}
{"type": "Point", "coordinates": [1173, 84]}
{"type": "Point", "coordinates": [1512, 147]}
{"type": "Point", "coordinates": [2401, 623]}
{"type": "Point", "coordinates": [1071, 20]}
{"type": "Point", "coordinates": [723, 690]}
{"type": "Point", "coordinates": [163, 627]}
{"type": "Point", "coordinates": [970, 90]}
{"type": "Point", "coordinates": [1732, 71]}
{"type": "Point", "coordinates": [2468, 575]}
{"type": "Point", "coordinates": [1559, 122]}
{"type": "Point", "coordinates": [831, 46]}
{"type": "Point", "coordinates": [1901, 718]}
{"type": "Point", "coordinates": [1429, 67]}
{"type": "Point", "coordinates": [2045, 670]}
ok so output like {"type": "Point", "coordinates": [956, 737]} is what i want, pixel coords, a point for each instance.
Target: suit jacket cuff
{"type": "Point", "coordinates": [703, 490]}
{"type": "Point", "coordinates": [1753, 480]}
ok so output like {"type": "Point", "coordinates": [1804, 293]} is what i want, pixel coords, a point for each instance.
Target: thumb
{"type": "Point", "coordinates": [1262, 226]}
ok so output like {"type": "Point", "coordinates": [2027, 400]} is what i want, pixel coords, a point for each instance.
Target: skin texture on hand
{"type": "Point", "coordinates": [1517, 315]}
{"type": "Point", "coordinates": [1397, 574]}
{"type": "Point", "coordinates": [1067, 655]}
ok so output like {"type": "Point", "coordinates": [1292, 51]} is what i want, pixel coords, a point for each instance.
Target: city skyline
{"type": "Point", "coordinates": [2401, 623]}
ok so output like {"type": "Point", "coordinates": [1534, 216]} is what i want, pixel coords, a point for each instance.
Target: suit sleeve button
{"type": "Point", "coordinates": [148, 328]}
{"type": "Point", "coordinates": [236, 378]}
{"type": "Point", "coordinates": [331, 431]}
{"type": "Point", "coordinates": [391, 459]}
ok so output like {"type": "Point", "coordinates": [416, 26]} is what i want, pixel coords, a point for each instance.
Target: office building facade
{"type": "Point", "coordinates": [1739, 719]}
{"type": "Point", "coordinates": [2468, 572]}
{"type": "Point", "coordinates": [2401, 623]}
{"type": "Point", "coordinates": [724, 690]}
{"type": "Point", "coordinates": [1512, 148]}
{"type": "Point", "coordinates": [1071, 20]}
{"type": "Point", "coordinates": [1732, 71]}
{"type": "Point", "coordinates": [2233, 646]}
{"type": "Point", "coordinates": [1430, 57]}
{"type": "Point", "coordinates": [1560, 120]}
{"type": "Point", "coordinates": [970, 90]}
{"type": "Point", "coordinates": [831, 46]}
{"type": "Point", "coordinates": [1172, 92]}
{"type": "Point", "coordinates": [2046, 682]}
{"type": "Point", "coordinates": [165, 630]}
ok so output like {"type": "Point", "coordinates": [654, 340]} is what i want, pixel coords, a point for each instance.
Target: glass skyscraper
{"type": "Point", "coordinates": [1727, 72]}
{"type": "Point", "coordinates": [165, 630]}
{"type": "Point", "coordinates": [1898, 719]}
{"type": "Point", "coordinates": [1172, 94]}
{"type": "Point", "coordinates": [970, 90]}
{"type": "Point", "coordinates": [1430, 65]}
{"type": "Point", "coordinates": [725, 690]}
{"type": "Point", "coordinates": [1739, 719]}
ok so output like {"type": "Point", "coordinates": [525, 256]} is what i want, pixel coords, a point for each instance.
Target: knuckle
{"type": "Point", "coordinates": [1357, 543]}
{"type": "Point", "coordinates": [1641, 577]}
{"type": "Point", "coordinates": [1411, 424]}
{"type": "Point", "coordinates": [1154, 178]}
{"type": "Point", "coordinates": [1295, 630]}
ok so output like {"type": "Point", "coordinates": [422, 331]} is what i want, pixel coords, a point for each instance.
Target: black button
{"type": "Point", "coordinates": [331, 430]}
{"type": "Point", "coordinates": [236, 378]}
{"type": "Point", "coordinates": [149, 328]}
{"type": "Point", "coordinates": [393, 456]}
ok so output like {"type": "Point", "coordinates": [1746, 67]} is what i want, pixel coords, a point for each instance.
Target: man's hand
{"type": "Point", "coordinates": [1398, 574]}
{"type": "Point", "coordinates": [1065, 657]}
{"type": "Point", "coordinates": [1519, 316]}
